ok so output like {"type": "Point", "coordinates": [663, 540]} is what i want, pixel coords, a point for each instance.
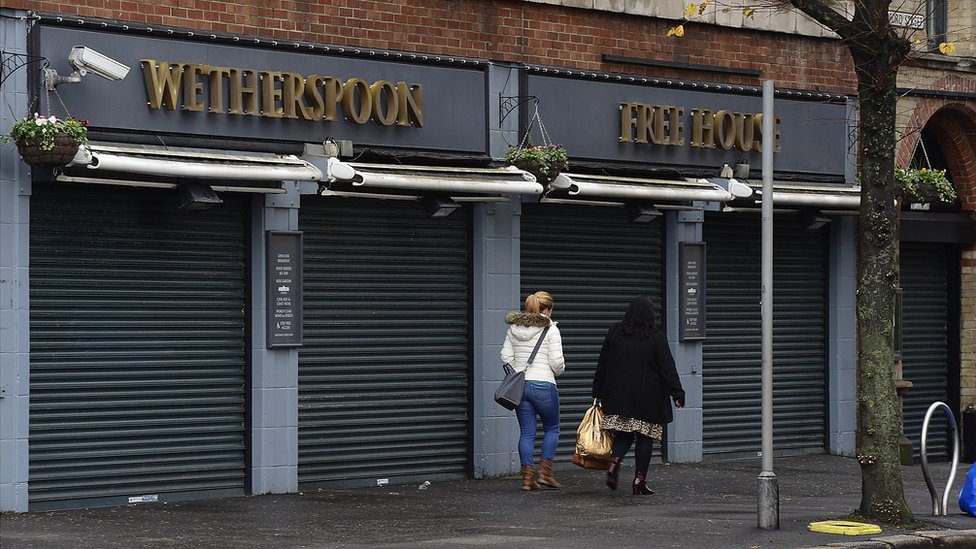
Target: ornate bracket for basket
{"type": "Point", "coordinates": [10, 62]}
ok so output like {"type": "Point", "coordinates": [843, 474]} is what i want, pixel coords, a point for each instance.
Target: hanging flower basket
{"type": "Point", "coordinates": [60, 154]}
{"type": "Point", "coordinates": [48, 142]}
{"type": "Point", "coordinates": [925, 186]}
{"type": "Point", "coordinates": [544, 162]}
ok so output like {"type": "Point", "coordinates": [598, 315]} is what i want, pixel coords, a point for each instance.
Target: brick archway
{"type": "Point", "coordinates": [952, 122]}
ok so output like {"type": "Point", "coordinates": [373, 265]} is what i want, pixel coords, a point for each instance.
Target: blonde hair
{"type": "Point", "coordinates": [538, 302]}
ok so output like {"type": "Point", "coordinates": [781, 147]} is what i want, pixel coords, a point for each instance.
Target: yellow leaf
{"type": "Point", "coordinates": [678, 31]}
{"type": "Point", "coordinates": [748, 12]}
{"type": "Point", "coordinates": [701, 7]}
{"type": "Point", "coordinates": [947, 47]}
{"type": "Point", "coordinates": [690, 10]}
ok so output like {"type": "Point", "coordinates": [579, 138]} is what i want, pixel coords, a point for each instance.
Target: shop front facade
{"type": "Point", "coordinates": [335, 319]}
{"type": "Point", "coordinates": [211, 311]}
{"type": "Point", "coordinates": [696, 130]}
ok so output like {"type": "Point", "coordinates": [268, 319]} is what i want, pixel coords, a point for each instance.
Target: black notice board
{"type": "Point", "coordinates": [284, 279]}
{"type": "Point", "coordinates": [691, 313]}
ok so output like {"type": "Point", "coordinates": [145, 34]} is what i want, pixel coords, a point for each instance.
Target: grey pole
{"type": "Point", "coordinates": [768, 485]}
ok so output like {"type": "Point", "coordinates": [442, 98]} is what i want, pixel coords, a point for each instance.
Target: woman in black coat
{"type": "Point", "coordinates": [634, 378]}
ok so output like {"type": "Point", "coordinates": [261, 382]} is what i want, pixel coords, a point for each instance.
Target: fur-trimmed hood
{"type": "Point", "coordinates": [526, 326]}
{"type": "Point", "coordinates": [519, 318]}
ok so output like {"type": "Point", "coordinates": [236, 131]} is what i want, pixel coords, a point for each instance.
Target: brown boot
{"type": "Point", "coordinates": [545, 474]}
{"type": "Point", "coordinates": [528, 478]}
{"type": "Point", "coordinates": [613, 472]}
{"type": "Point", "coordinates": [640, 485]}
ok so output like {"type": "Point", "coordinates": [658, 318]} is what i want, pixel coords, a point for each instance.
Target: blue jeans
{"type": "Point", "coordinates": [542, 399]}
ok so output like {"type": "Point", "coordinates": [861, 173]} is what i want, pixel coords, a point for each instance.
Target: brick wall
{"type": "Point", "coordinates": [967, 342]}
{"type": "Point", "coordinates": [496, 30]}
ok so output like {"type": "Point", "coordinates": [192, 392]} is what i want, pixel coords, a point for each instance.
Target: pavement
{"type": "Point", "coordinates": [711, 505]}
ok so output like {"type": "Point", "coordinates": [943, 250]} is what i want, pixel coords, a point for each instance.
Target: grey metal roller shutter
{"type": "Point", "coordinates": [594, 263]}
{"type": "Point", "coordinates": [924, 281]}
{"type": "Point", "coordinates": [732, 353]}
{"type": "Point", "coordinates": [383, 376]}
{"type": "Point", "coordinates": [137, 347]}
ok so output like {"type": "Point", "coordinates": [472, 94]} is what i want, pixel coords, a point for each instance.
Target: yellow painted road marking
{"type": "Point", "coordinates": [844, 527]}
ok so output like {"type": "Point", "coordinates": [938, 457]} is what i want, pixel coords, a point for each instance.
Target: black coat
{"type": "Point", "coordinates": [634, 377]}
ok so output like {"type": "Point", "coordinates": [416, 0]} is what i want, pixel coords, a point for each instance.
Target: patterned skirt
{"type": "Point", "coordinates": [613, 422]}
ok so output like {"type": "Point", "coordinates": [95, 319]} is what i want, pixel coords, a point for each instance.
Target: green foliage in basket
{"type": "Point", "coordinates": [41, 131]}
{"type": "Point", "coordinates": [550, 159]}
{"type": "Point", "coordinates": [925, 185]}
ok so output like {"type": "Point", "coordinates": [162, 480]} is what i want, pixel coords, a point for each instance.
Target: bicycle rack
{"type": "Point", "coordinates": [939, 507]}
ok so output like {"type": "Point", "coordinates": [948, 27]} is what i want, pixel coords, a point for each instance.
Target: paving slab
{"type": "Point", "coordinates": [711, 505]}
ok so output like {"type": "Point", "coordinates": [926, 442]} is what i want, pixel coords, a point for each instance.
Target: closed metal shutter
{"type": "Point", "coordinates": [137, 347]}
{"type": "Point", "coordinates": [925, 357]}
{"type": "Point", "coordinates": [594, 263]}
{"type": "Point", "coordinates": [383, 376]}
{"type": "Point", "coordinates": [732, 353]}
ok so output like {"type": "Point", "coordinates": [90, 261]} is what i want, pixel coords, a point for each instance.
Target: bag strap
{"type": "Point", "coordinates": [537, 345]}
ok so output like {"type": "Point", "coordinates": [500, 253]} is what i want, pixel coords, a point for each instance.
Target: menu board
{"type": "Point", "coordinates": [691, 313]}
{"type": "Point", "coordinates": [284, 283]}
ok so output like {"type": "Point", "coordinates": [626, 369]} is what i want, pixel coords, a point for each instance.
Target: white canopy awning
{"type": "Point", "coordinates": [633, 188]}
{"type": "Point", "coordinates": [431, 179]}
{"type": "Point", "coordinates": [175, 162]}
{"type": "Point", "coordinates": [812, 196]}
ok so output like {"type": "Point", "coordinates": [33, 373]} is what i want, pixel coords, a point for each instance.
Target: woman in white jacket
{"type": "Point", "coordinates": [540, 397]}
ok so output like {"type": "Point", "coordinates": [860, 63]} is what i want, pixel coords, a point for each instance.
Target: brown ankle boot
{"type": "Point", "coordinates": [528, 478]}
{"type": "Point", "coordinates": [640, 485]}
{"type": "Point", "coordinates": [545, 474]}
{"type": "Point", "coordinates": [613, 472]}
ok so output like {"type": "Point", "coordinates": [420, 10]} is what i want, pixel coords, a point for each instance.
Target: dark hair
{"type": "Point", "coordinates": [639, 320]}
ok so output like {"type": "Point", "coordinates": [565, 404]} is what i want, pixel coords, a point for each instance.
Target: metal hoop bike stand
{"type": "Point", "coordinates": [939, 507]}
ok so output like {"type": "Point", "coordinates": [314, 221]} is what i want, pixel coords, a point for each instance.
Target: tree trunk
{"type": "Point", "coordinates": [878, 51]}
{"type": "Point", "coordinates": [882, 495]}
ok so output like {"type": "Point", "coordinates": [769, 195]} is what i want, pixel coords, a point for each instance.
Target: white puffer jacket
{"type": "Point", "coordinates": [521, 339]}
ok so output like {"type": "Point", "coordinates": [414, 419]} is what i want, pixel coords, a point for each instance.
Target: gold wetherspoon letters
{"type": "Point", "coordinates": [274, 94]}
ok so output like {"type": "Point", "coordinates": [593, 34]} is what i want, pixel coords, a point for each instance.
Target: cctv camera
{"type": "Point", "coordinates": [84, 60]}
